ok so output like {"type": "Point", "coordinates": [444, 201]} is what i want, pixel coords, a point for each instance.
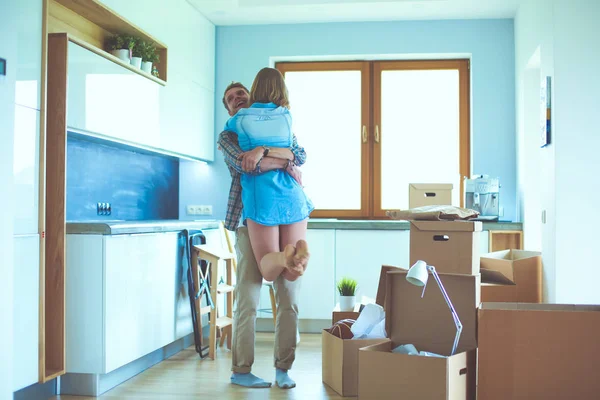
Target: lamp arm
{"type": "Point", "coordinates": [450, 305]}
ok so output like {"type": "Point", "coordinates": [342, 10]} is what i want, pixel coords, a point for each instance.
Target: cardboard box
{"type": "Point", "coordinates": [429, 194]}
{"type": "Point", "coordinates": [426, 323]}
{"type": "Point", "coordinates": [450, 246]}
{"type": "Point", "coordinates": [513, 276]}
{"type": "Point", "coordinates": [340, 357]}
{"type": "Point", "coordinates": [340, 315]}
{"type": "Point", "coordinates": [538, 351]}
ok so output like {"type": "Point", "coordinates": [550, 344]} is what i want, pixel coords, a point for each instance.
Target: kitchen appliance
{"type": "Point", "coordinates": [482, 194]}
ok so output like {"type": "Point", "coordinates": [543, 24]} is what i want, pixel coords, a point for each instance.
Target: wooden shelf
{"type": "Point", "coordinates": [505, 240]}
{"type": "Point", "coordinates": [89, 23]}
{"type": "Point", "coordinates": [114, 59]}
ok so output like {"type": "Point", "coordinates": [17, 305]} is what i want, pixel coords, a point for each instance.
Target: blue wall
{"type": "Point", "coordinates": [138, 186]}
{"type": "Point", "coordinates": [242, 50]}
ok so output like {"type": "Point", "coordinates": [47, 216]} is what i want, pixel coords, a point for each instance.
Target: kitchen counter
{"type": "Point", "coordinates": [120, 227]}
{"type": "Point", "coordinates": [397, 225]}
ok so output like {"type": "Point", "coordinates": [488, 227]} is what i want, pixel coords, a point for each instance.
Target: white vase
{"type": "Point", "coordinates": [147, 66]}
{"type": "Point", "coordinates": [347, 303]}
{"type": "Point", "coordinates": [122, 54]}
{"type": "Point", "coordinates": [136, 62]}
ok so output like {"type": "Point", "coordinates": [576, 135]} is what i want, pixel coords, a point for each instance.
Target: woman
{"type": "Point", "coordinates": [275, 207]}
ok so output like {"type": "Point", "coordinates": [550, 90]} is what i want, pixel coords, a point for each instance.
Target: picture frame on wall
{"type": "Point", "coordinates": [545, 111]}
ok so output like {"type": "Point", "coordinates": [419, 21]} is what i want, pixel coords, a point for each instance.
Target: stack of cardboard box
{"type": "Point", "coordinates": [427, 323]}
{"type": "Point", "coordinates": [508, 350]}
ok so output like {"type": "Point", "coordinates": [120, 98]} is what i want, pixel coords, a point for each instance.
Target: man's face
{"type": "Point", "coordinates": [236, 98]}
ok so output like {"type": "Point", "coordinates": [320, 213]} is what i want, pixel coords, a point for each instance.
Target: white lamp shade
{"type": "Point", "coordinates": [418, 274]}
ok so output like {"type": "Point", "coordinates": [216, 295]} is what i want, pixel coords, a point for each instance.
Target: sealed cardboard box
{"type": "Point", "coordinates": [429, 194]}
{"type": "Point", "coordinates": [340, 357]}
{"type": "Point", "coordinates": [450, 246]}
{"type": "Point", "coordinates": [427, 324]}
{"type": "Point", "coordinates": [513, 276]}
{"type": "Point", "coordinates": [538, 351]}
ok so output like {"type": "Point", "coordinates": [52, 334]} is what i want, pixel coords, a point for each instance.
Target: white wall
{"type": "Point", "coordinates": [534, 59]}
{"type": "Point", "coordinates": [564, 34]}
{"type": "Point", "coordinates": [8, 51]}
{"type": "Point", "coordinates": [577, 105]}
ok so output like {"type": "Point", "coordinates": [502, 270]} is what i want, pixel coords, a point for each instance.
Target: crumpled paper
{"type": "Point", "coordinates": [370, 324]}
{"type": "Point", "coordinates": [433, 213]}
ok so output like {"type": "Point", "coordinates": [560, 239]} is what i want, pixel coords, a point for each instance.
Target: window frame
{"type": "Point", "coordinates": [337, 160]}
{"type": "Point", "coordinates": [462, 66]}
{"type": "Point", "coordinates": [371, 134]}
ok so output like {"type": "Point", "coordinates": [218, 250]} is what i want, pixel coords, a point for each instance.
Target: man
{"type": "Point", "coordinates": [249, 279]}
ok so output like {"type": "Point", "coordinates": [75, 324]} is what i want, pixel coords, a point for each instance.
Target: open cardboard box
{"type": "Point", "coordinates": [427, 324]}
{"type": "Point", "coordinates": [511, 276]}
{"type": "Point", "coordinates": [429, 194]}
{"type": "Point", "coordinates": [450, 246]}
{"type": "Point", "coordinates": [538, 351]}
{"type": "Point", "coordinates": [340, 357]}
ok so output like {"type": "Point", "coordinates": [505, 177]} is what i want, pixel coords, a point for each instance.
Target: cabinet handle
{"type": "Point", "coordinates": [376, 133]}
{"type": "Point", "coordinates": [364, 134]}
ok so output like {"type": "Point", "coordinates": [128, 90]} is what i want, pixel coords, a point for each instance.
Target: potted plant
{"type": "Point", "coordinates": [118, 45]}
{"type": "Point", "coordinates": [149, 56]}
{"type": "Point", "coordinates": [347, 289]}
{"type": "Point", "coordinates": [136, 52]}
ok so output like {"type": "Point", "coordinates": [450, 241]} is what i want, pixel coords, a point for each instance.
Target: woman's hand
{"type": "Point", "coordinates": [251, 158]}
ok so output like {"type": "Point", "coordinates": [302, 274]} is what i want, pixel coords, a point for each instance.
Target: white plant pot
{"type": "Point", "coordinates": [136, 62]}
{"type": "Point", "coordinates": [347, 303]}
{"type": "Point", "coordinates": [147, 66]}
{"type": "Point", "coordinates": [122, 54]}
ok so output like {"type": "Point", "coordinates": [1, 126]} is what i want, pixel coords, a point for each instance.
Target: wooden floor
{"type": "Point", "coordinates": [185, 376]}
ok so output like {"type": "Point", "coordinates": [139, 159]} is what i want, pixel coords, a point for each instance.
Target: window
{"type": "Point", "coordinates": [372, 128]}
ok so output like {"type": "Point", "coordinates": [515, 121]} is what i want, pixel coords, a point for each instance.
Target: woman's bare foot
{"type": "Point", "coordinates": [302, 255]}
{"type": "Point", "coordinates": [290, 260]}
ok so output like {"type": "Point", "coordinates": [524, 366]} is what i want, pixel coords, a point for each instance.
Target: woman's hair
{"type": "Point", "coordinates": [269, 87]}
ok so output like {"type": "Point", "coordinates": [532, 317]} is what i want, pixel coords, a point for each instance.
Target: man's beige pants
{"type": "Point", "coordinates": [247, 294]}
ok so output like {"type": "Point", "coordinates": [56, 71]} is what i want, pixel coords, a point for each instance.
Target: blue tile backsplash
{"type": "Point", "coordinates": [139, 186]}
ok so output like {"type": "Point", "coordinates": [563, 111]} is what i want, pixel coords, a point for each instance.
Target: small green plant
{"type": "Point", "coordinates": [148, 52]}
{"type": "Point", "coordinates": [138, 48]}
{"type": "Point", "coordinates": [120, 41]}
{"type": "Point", "coordinates": [116, 42]}
{"type": "Point", "coordinates": [347, 287]}
{"type": "Point", "coordinates": [129, 42]}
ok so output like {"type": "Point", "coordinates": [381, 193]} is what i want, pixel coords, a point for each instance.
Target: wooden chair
{"type": "Point", "coordinates": [212, 255]}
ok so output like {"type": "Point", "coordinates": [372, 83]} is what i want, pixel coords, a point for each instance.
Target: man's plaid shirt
{"type": "Point", "coordinates": [228, 144]}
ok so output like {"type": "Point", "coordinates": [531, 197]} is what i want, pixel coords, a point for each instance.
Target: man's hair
{"type": "Point", "coordinates": [231, 86]}
{"type": "Point", "coordinates": [269, 87]}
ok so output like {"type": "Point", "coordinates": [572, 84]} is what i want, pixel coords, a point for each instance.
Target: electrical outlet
{"type": "Point", "coordinates": [103, 209]}
{"type": "Point", "coordinates": [199, 210]}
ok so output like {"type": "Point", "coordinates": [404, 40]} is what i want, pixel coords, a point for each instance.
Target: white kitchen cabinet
{"type": "Point", "coordinates": [26, 170]}
{"type": "Point", "coordinates": [124, 299]}
{"type": "Point", "coordinates": [107, 99]}
{"type": "Point", "coordinates": [187, 115]}
{"type": "Point", "coordinates": [316, 297]}
{"type": "Point", "coordinates": [359, 254]}
{"type": "Point", "coordinates": [26, 280]}
{"type": "Point", "coordinates": [186, 104]}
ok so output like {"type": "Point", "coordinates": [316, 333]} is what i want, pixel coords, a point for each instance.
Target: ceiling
{"type": "Point", "coordinates": [248, 12]}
